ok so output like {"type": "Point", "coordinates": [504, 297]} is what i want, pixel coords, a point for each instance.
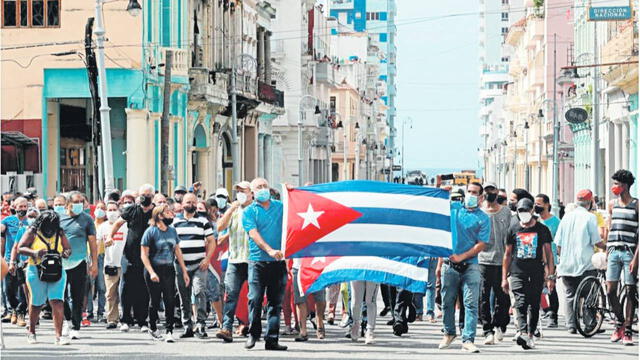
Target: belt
{"type": "Point", "coordinates": [451, 263]}
{"type": "Point", "coordinates": [622, 247]}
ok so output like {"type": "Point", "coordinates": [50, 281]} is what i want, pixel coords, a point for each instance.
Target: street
{"type": "Point", "coordinates": [421, 342]}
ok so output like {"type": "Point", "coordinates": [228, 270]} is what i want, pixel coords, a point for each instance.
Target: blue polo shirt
{"type": "Point", "coordinates": [268, 222]}
{"type": "Point", "coordinates": [13, 226]}
{"type": "Point", "coordinates": [469, 226]}
{"type": "Point", "coordinates": [77, 228]}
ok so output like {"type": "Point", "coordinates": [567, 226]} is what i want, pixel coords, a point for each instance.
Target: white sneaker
{"type": "Point", "coordinates": [446, 341]}
{"type": "Point", "coordinates": [124, 327]}
{"type": "Point", "coordinates": [524, 340]}
{"type": "Point", "coordinates": [168, 337]}
{"type": "Point", "coordinates": [516, 336]}
{"type": "Point", "coordinates": [155, 335]}
{"type": "Point", "coordinates": [65, 328]}
{"type": "Point", "coordinates": [499, 336]}
{"type": "Point", "coordinates": [355, 332]}
{"type": "Point", "coordinates": [368, 337]}
{"type": "Point", "coordinates": [31, 338]}
{"type": "Point", "coordinates": [470, 347]}
{"type": "Point", "coordinates": [531, 342]}
{"type": "Point", "coordinates": [489, 339]}
{"type": "Point", "coordinates": [344, 322]}
{"type": "Point", "coordinates": [144, 329]}
{"type": "Point", "coordinates": [63, 340]}
{"type": "Point", "coordinates": [74, 334]}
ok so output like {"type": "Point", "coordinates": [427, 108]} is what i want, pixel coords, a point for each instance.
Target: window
{"type": "Point", "coordinates": [505, 2]}
{"type": "Point", "coordinates": [505, 59]}
{"type": "Point", "coordinates": [373, 16]}
{"type": "Point", "coordinates": [505, 16]}
{"type": "Point", "coordinates": [505, 30]}
{"type": "Point", "coordinates": [30, 13]}
{"type": "Point", "coordinates": [383, 37]}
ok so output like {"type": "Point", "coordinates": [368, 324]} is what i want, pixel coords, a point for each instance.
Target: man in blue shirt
{"type": "Point", "coordinates": [10, 226]}
{"type": "Point", "coordinates": [262, 220]}
{"type": "Point", "coordinates": [471, 229]}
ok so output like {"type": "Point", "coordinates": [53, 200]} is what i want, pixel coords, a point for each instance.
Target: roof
{"type": "Point", "coordinates": [16, 138]}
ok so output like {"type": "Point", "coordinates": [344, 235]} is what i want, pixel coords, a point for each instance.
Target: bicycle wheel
{"type": "Point", "coordinates": [589, 306]}
{"type": "Point", "coordinates": [623, 302]}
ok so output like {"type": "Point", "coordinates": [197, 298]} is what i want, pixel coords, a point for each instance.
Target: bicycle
{"type": "Point", "coordinates": [591, 305]}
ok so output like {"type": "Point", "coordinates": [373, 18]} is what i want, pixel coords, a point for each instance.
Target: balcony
{"type": "Point", "coordinates": [534, 31]}
{"type": "Point", "coordinates": [270, 95]}
{"type": "Point", "coordinates": [326, 73]}
{"type": "Point", "coordinates": [180, 64]}
{"type": "Point", "coordinates": [622, 47]}
{"type": "Point", "coordinates": [247, 85]}
{"type": "Point", "coordinates": [206, 85]}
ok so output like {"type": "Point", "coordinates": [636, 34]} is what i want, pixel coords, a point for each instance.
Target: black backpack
{"type": "Point", "coordinates": [50, 268]}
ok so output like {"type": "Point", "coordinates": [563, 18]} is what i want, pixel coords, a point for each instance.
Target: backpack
{"type": "Point", "coordinates": [50, 268]}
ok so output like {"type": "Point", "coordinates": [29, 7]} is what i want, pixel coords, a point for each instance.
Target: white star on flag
{"type": "Point", "coordinates": [321, 259]}
{"type": "Point", "coordinates": [310, 217]}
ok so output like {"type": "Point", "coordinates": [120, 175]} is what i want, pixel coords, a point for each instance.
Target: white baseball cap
{"type": "Point", "coordinates": [222, 192]}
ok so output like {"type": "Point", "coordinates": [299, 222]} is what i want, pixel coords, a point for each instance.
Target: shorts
{"type": "Point", "coordinates": [318, 296]}
{"type": "Point", "coordinates": [213, 290]}
{"type": "Point", "coordinates": [42, 291]}
{"type": "Point", "coordinates": [618, 262]}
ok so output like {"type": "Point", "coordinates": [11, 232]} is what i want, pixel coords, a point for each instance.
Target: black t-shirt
{"type": "Point", "coordinates": [527, 247]}
{"type": "Point", "coordinates": [137, 222]}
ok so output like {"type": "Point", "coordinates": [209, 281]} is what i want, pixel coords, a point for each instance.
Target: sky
{"type": "Point", "coordinates": [438, 83]}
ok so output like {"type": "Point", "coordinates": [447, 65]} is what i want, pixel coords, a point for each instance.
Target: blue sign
{"type": "Point", "coordinates": [609, 13]}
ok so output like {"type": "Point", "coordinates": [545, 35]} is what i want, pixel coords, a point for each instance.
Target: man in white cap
{"type": "Point", "coordinates": [230, 229]}
{"type": "Point", "coordinates": [222, 198]}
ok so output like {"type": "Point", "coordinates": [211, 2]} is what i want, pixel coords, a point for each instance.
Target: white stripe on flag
{"type": "Point", "coordinates": [390, 234]}
{"type": "Point", "coordinates": [379, 264]}
{"type": "Point", "coordinates": [390, 201]}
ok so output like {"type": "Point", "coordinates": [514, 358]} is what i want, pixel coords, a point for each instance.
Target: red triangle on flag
{"type": "Point", "coordinates": [310, 217]}
{"type": "Point", "coordinates": [311, 268]}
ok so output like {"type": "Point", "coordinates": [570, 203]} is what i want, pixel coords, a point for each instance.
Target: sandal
{"type": "Point", "coordinates": [302, 338]}
{"type": "Point", "coordinates": [320, 333]}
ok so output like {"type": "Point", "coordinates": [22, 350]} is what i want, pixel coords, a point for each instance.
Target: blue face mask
{"type": "Point", "coordinates": [222, 202]}
{"type": "Point", "coordinates": [59, 209]}
{"type": "Point", "coordinates": [99, 213]}
{"type": "Point", "coordinates": [77, 209]}
{"type": "Point", "coordinates": [30, 221]}
{"type": "Point", "coordinates": [471, 201]}
{"type": "Point", "coordinates": [263, 195]}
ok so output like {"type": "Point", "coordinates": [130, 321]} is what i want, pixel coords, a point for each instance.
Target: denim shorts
{"type": "Point", "coordinates": [214, 290]}
{"type": "Point", "coordinates": [42, 291]}
{"type": "Point", "coordinates": [318, 296]}
{"type": "Point", "coordinates": [618, 261]}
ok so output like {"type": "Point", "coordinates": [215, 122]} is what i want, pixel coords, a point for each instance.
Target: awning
{"type": "Point", "coordinates": [16, 138]}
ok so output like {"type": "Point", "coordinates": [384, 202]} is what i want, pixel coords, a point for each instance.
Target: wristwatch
{"type": "Point", "coordinates": [552, 277]}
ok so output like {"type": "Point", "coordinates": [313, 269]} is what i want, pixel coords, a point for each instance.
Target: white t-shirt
{"type": "Point", "coordinates": [113, 253]}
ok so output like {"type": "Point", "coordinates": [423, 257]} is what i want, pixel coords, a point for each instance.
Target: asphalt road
{"type": "Point", "coordinates": [422, 342]}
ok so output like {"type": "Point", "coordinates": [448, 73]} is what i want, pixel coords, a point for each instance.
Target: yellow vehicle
{"type": "Point", "coordinates": [461, 179]}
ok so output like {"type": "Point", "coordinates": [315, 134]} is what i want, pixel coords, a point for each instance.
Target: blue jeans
{"type": "Point", "coordinates": [469, 281]}
{"type": "Point", "coordinates": [235, 276]}
{"type": "Point", "coordinates": [269, 277]}
{"type": "Point", "coordinates": [431, 291]}
{"type": "Point", "coordinates": [618, 262]}
{"type": "Point", "coordinates": [98, 285]}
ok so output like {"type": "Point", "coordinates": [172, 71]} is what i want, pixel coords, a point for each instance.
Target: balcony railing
{"type": "Point", "coordinates": [269, 94]}
{"type": "Point", "coordinates": [180, 65]}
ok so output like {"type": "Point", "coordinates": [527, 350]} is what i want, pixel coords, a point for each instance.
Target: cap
{"type": "Point", "coordinates": [584, 195]}
{"type": "Point", "coordinates": [525, 204]}
{"type": "Point", "coordinates": [222, 192]}
{"type": "Point", "coordinates": [179, 189]}
{"type": "Point", "coordinates": [242, 185]}
{"type": "Point", "coordinates": [489, 185]}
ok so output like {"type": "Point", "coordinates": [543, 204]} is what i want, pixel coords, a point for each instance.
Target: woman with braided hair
{"type": "Point", "coordinates": [45, 237]}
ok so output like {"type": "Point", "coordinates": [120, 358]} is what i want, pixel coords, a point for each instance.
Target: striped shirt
{"type": "Point", "coordinates": [624, 224]}
{"type": "Point", "coordinates": [192, 234]}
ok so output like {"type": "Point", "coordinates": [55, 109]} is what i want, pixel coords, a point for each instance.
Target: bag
{"type": "Point", "coordinates": [50, 268]}
{"type": "Point", "coordinates": [459, 267]}
{"type": "Point", "coordinates": [111, 270]}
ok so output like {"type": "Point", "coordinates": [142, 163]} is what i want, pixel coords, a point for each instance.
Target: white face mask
{"type": "Point", "coordinates": [113, 215]}
{"type": "Point", "coordinates": [525, 217]}
{"type": "Point", "coordinates": [241, 197]}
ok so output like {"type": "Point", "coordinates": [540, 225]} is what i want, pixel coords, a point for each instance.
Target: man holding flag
{"type": "Point", "coordinates": [267, 270]}
{"type": "Point", "coordinates": [471, 228]}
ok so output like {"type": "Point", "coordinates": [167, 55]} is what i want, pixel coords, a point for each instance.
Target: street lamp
{"type": "Point", "coordinates": [344, 149]}
{"type": "Point", "coordinates": [134, 8]}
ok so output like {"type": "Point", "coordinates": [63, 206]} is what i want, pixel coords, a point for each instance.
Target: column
{"type": "Point", "coordinates": [261, 68]}
{"type": "Point", "coordinates": [626, 148]}
{"type": "Point", "coordinates": [267, 57]}
{"type": "Point", "coordinates": [261, 155]}
{"type": "Point", "coordinates": [140, 147]}
{"type": "Point", "coordinates": [617, 143]}
{"type": "Point", "coordinates": [268, 157]}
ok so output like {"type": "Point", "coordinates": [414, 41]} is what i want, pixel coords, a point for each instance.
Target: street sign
{"type": "Point", "coordinates": [397, 167]}
{"type": "Point", "coordinates": [576, 115]}
{"type": "Point", "coordinates": [610, 10]}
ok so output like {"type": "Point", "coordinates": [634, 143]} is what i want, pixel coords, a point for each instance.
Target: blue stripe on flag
{"type": "Point", "coordinates": [344, 275]}
{"type": "Point", "coordinates": [403, 217]}
{"type": "Point", "coordinates": [370, 248]}
{"type": "Point", "coordinates": [377, 186]}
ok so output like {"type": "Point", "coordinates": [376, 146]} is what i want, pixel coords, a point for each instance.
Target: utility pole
{"type": "Point", "coordinates": [300, 149]}
{"type": "Point", "coordinates": [235, 149]}
{"type": "Point", "coordinates": [526, 156]}
{"type": "Point", "coordinates": [105, 121]}
{"type": "Point", "coordinates": [555, 195]}
{"type": "Point", "coordinates": [595, 126]}
{"type": "Point", "coordinates": [92, 73]}
{"type": "Point", "coordinates": [164, 123]}
{"type": "Point", "coordinates": [344, 153]}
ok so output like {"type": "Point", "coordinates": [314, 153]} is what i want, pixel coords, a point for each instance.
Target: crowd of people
{"type": "Point", "coordinates": [137, 255]}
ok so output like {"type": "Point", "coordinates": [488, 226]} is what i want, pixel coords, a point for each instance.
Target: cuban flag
{"type": "Point", "coordinates": [366, 218]}
{"type": "Point", "coordinates": [406, 272]}
{"type": "Point", "coordinates": [218, 263]}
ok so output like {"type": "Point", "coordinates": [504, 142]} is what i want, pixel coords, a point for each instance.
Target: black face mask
{"type": "Point", "coordinates": [538, 209]}
{"type": "Point", "coordinates": [145, 200]}
{"type": "Point", "coordinates": [47, 231]}
{"type": "Point", "coordinates": [21, 213]}
{"type": "Point", "coordinates": [501, 199]}
{"type": "Point", "coordinates": [513, 206]}
{"type": "Point", "coordinates": [167, 221]}
{"type": "Point", "coordinates": [190, 209]}
{"type": "Point", "coordinates": [491, 197]}
{"type": "Point", "coordinates": [202, 213]}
